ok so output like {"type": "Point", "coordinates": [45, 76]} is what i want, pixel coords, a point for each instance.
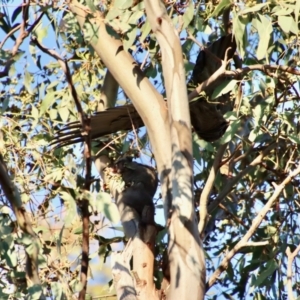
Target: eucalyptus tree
{"type": "Point", "coordinates": [94, 73]}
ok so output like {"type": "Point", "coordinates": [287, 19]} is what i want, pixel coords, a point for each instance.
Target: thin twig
{"type": "Point", "coordinates": [66, 70]}
{"type": "Point", "coordinates": [212, 79]}
{"type": "Point", "coordinates": [263, 68]}
{"type": "Point", "coordinates": [9, 34]}
{"type": "Point", "coordinates": [256, 244]}
{"type": "Point", "coordinates": [207, 189]}
{"type": "Point", "coordinates": [23, 32]}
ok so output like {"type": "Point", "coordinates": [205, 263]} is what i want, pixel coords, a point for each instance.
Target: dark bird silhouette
{"type": "Point", "coordinates": [133, 193]}
{"type": "Point", "coordinates": [207, 120]}
{"type": "Point", "coordinates": [141, 182]}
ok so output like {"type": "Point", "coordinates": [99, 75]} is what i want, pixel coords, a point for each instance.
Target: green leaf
{"type": "Point", "coordinates": [285, 23]}
{"type": "Point", "coordinates": [70, 203]}
{"type": "Point", "coordinates": [35, 292]}
{"type": "Point", "coordinates": [140, 6]}
{"type": "Point", "coordinates": [294, 139]}
{"type": "Point", "coordinates": [56, 289]}
{"type": "Point", "coordinates": [16, 12]}
{"type": "Point", "coordinates": [188, 15]}
{"type": "Point", "coordinates": [48, 100]}
{"type": "Point", "coordinates": [76, 285]}
{"type": "Point", "coordinates": [41, 32]}
{"type": "Point", "coordinates": [135, 17]}
{"type": "Point", "coordinates": [91, 5]}
{"type": "Point", "coordinates": [252, 9]}
{"type": "Point", "coordinates": [230, 132]}
{"type": "Point", "coordinates": [53, 84]}
{"type": "Point", "coordinates": [103, 204]}
{"type": "Point", "coordinates": [64, 113]}
{"type": "Point", "coordinates": [222, 5]}
{"type": "Point", "coordinates": [288, 24]}
{"type": "Point", "coordinates": [113, 14]}
{"type": "Point", "coordinates": [225, 87]}
{"type": "Point", "coordinates": [239, 28]}
{"type": "Point", "coordinates": [35, 115]}
{"type": "Point", "coordinates": [90, 31]}
{"type": "Point", "coordinates": [27, 81]}
{"type": "Point", "coordinates": [271, 267]}
{"type": "Point", "coordinates": [282, 12]}
{"type": "Point", "coordinates": [78, 230]}
{"type": "Point", "coordinates": [264, 28]}
{"type": "Point", "coordinates": [130, 38]}
{"type": "Point", "coordinates": [145, 30]}
{"type": "Point", "coordinates": [123, 4]}
{"type": "Point", "coordinates": [11, 258]}
{"type": "Point", "coordinates": [297, 9]}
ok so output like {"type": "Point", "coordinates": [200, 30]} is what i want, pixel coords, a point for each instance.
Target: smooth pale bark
{"type": "Point", "coordinates": [186, 255]}
{"type": "Point", "coordinates": [120, 263]}
{"type": "Point", "coordinates": [141, 246]}
{"type": "Point", "coordinates": [187, 260]}
{"type": "Point", "coordinates": [147, 101]}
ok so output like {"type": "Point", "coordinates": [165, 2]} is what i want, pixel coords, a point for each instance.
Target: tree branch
{"type": "Point", "coordinates": [120, 271]}
{"type": "Point", "coordinates": [203, 213]}
{"type": "Point", "coordinates": [291, 256]}
{"type": "Point", "coordinates": [134, 83]}
{"type": "Point", "coordinates": [263, 68]}
{"type": "Point", "coordinates": [184, 237]}
{"type": "Point", "coordinates": [23, 32]}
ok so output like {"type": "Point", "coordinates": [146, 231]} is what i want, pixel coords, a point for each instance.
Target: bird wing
{"type": "Point", "coordinates": [102, 123]}
{"type": "Point", "coordinates": [208, 122]}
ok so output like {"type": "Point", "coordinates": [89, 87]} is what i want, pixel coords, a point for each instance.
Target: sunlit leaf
{"type": "Point", "coordinates": [239, 26]}
{"type": "Point", "coordinates": [264, 29]}
{"type": "Point", "coordinates": [57, 290]}
{"type": "Point", "coordinates": [91, 5]}
{"type": "Point", "coordinates": [123, 4]}
{"type": "Point", "coordinates": [146, 28]}
{"type": "Point", "coordinates": [188, 15]}
{"type": "Point", "coordinates": [48, 100]}
{"type": "Point", "coordinates": [130, 37]}
{"type": "Point", "coordinates": [285, 23]}
{"type": "Point", "coordinates": [221, 6]}
{"type": "Point", "coordinates": [253, 8]}
{"type": "Point", "coordinates": [27, 81]}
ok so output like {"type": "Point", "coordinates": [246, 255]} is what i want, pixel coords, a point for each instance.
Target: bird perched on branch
{"type": "Point", "coordinates": [207, 120]}
{"type": "Point", "coordinates": [133, 193]}
{"type": "Point", "coordinates": [140, 186]}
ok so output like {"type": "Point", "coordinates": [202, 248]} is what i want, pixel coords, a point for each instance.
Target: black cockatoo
{"type": "Point", "coordinates": [206, 118]}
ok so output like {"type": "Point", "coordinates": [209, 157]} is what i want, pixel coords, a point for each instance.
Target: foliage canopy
{"type": "Point", "coordinates": [254, 159]}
